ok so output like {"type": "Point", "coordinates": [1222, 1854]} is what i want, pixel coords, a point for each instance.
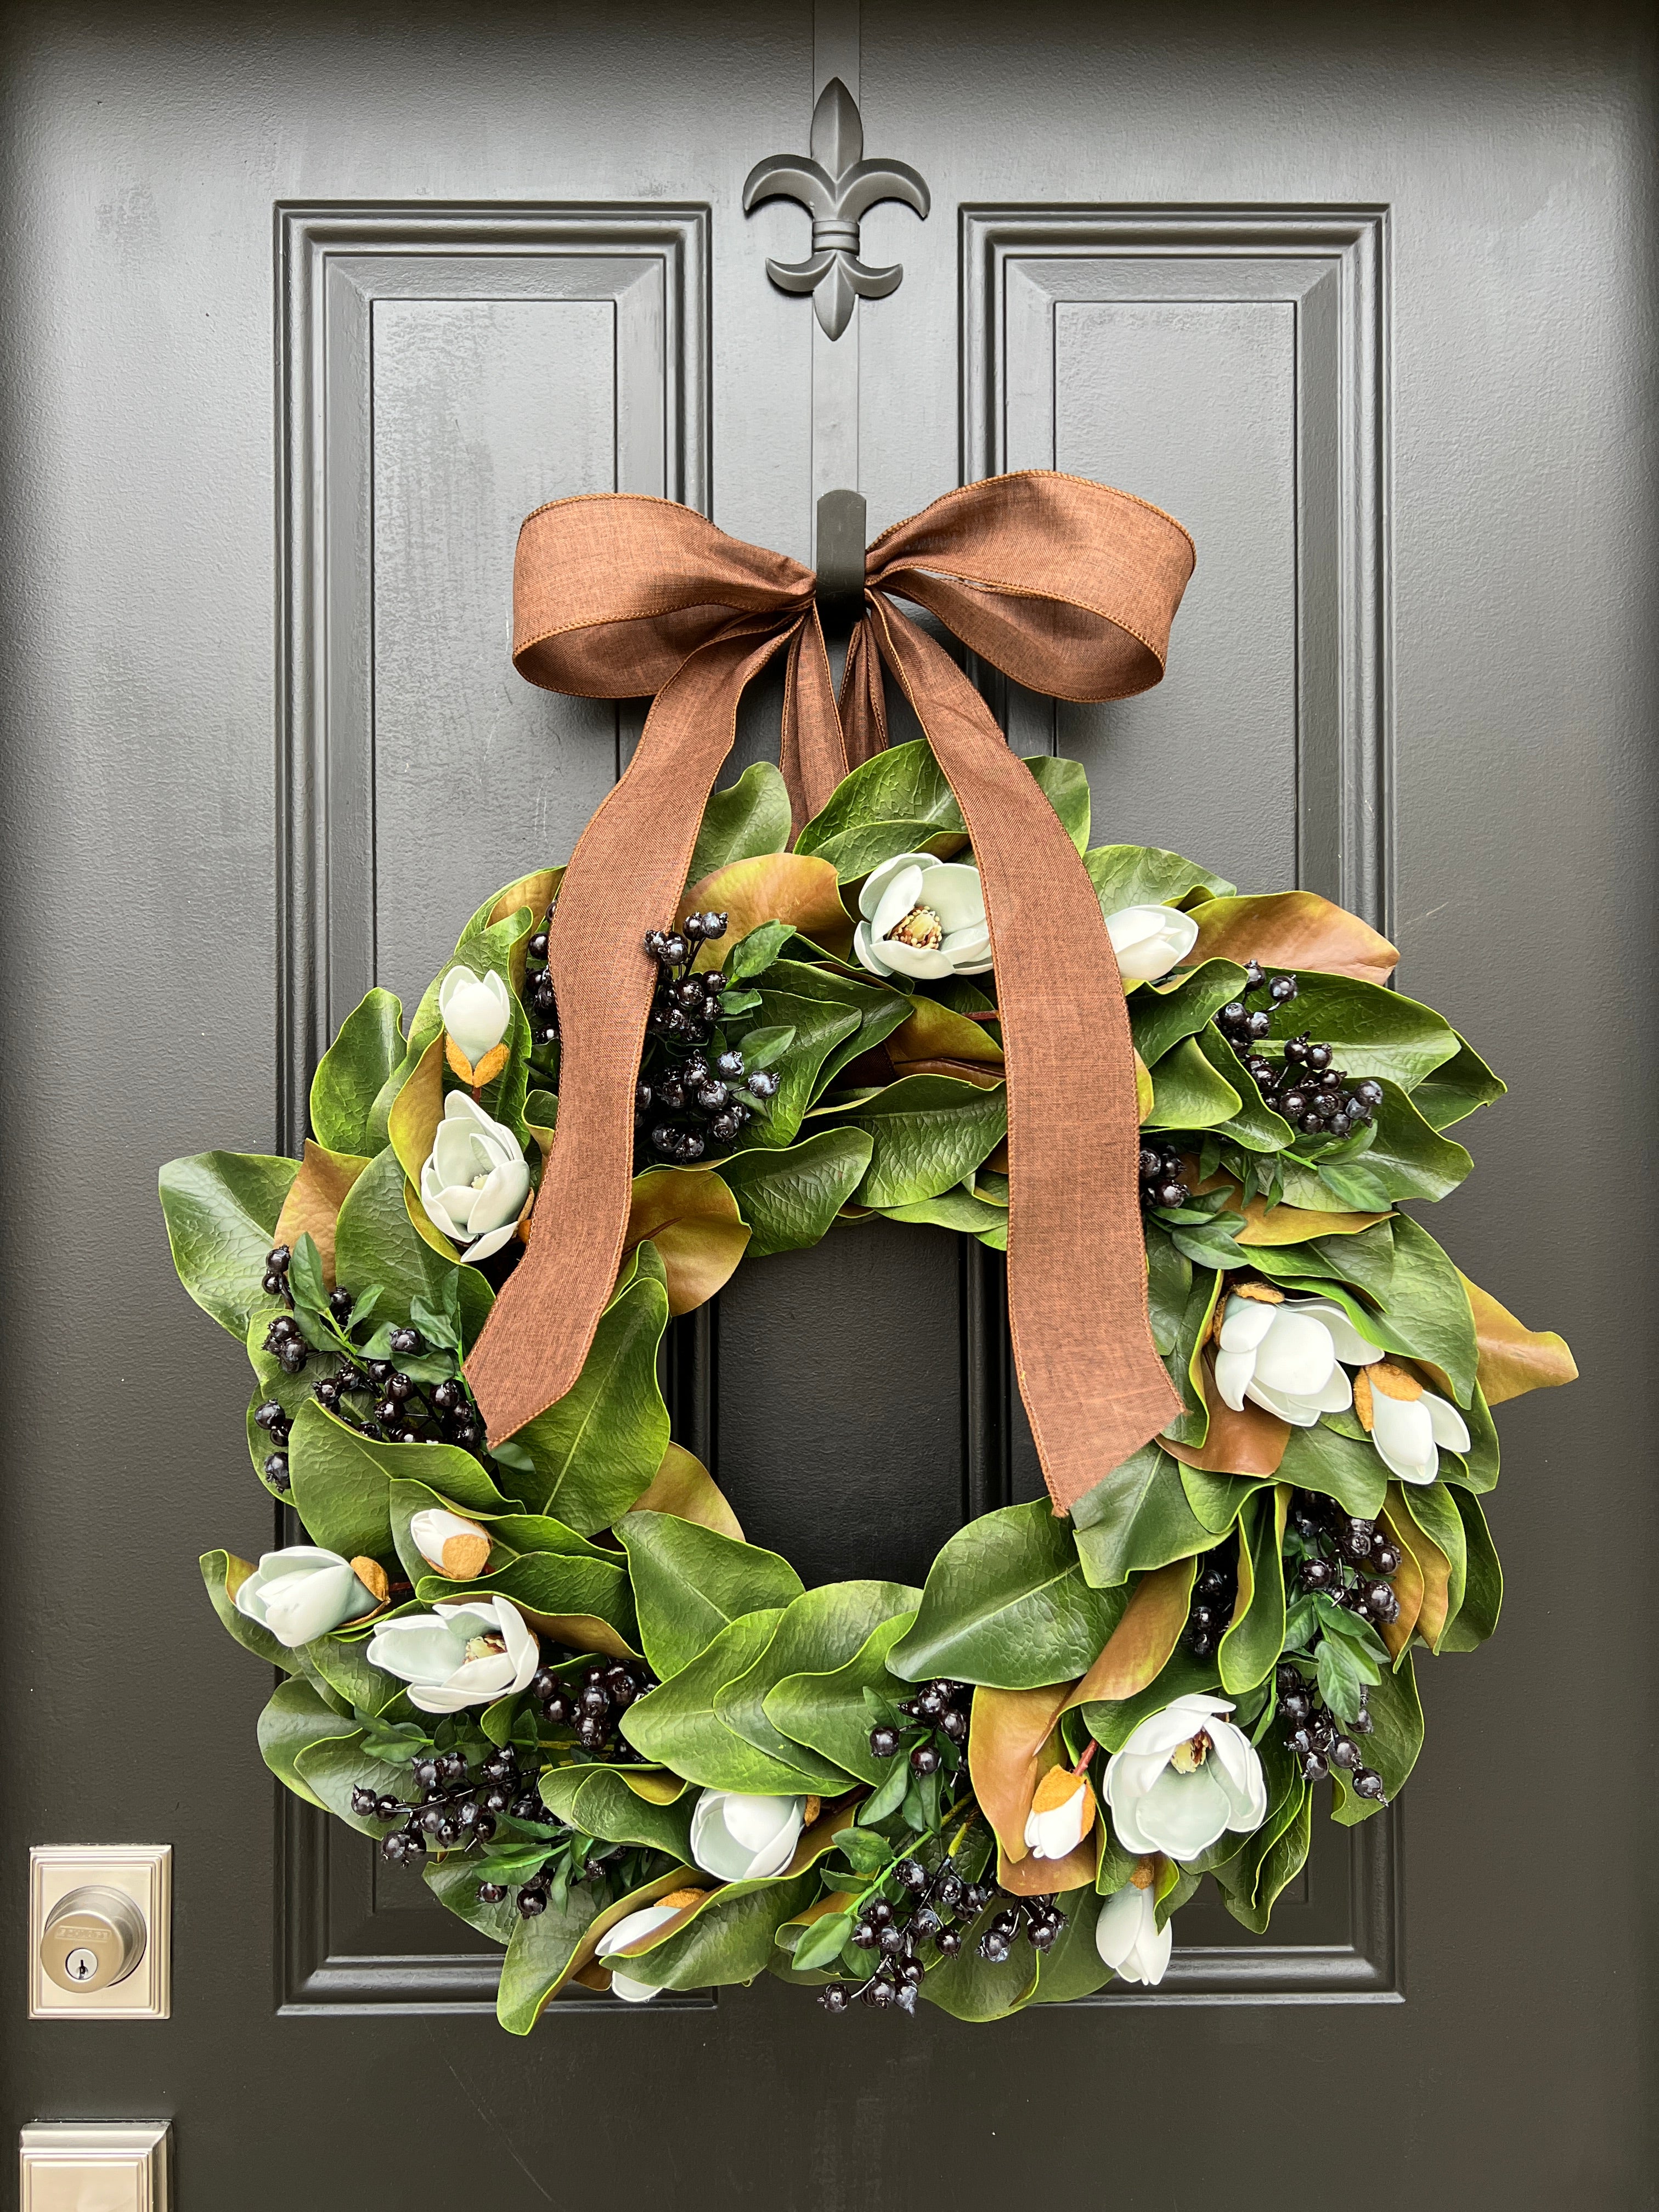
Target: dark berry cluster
{"type": "Point", "coordinates": [1215, 1593]}
{"type": "Point", "coordinates": [939, 1714]}
{"type": "Point", "coordinates": [1039, 1919]}
{"type": "Point", "coordinates": [591, 1704]}
{"type": "Point", "coordinates": [1317, 1739]}
{"type": "Point", "coordinates": [921, 1924]}
{"type": "Point", "coordinates": [686, 1102]}
{"type": "Point", "coordinates": [1307, 1088]}
{"type": "Point", "coordinates": [450, 1806]}
{"type": "Point", "coordinates": [1161, 1183]}
{"type": "Point", "coordinates": [1348, 1558]}
{"type": "Point", "coordinates": [539, 989]}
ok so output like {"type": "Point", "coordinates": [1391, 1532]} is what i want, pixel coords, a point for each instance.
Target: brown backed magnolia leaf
{"type": "Point", "coordinates": [1292, 929]}
{"type": "Point", "coordinates": [934, 1033]}
{"type": "Point", "coordinates": [1031, 1877]}
{"type": "Point", "coordinates": [416, 1111]}
{"type": "Point", "coordinates": [536, 892]}
{"type": "Point", "coordinates": [1251, 1441]}
{"type": "Point", "coordinates": [1144, 1639]}
{"type": "Point", "coordinates": [1407, 1584]}
{"type": "Point", "coordinates": [1011, 1746]}
{"type": "Point", "coordinates": [314, 1198]}
{"type": "Point", "coordinates": [1512, 1359]}
{"type": "Point", "coordinates": [1297, 1225]}
{"type": "Point", "coordinates": [1431, 1563]}
{"type": "Point", "coordinates": [692, 1218]}
{"type": "Point", "coordinates": [1143, 1098]}
{"type": "Point", "coordinates": [581, 1631]}
{"type": "Point", "coordinates": [684, 1486]}
{"type": "Point", "coordinates": [794, 887]}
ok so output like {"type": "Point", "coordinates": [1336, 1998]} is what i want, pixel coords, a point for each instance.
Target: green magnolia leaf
{"type": "Point", "coordinates": [1168, 1287]}
{"type": "Point", "coordinates": [898, 801]}
{"type": "Point", "coordinates": [679, 1725]}
{"type": "Point", "coordinates": [1406, 1159]}
{"type": "Point", "coordinates": [1146, 875]}
{"type": "Point", "coordinates": [599, 1447]}
{"type": "Point", "coordinates": [597, 1801]}
{"type": "Point", "coordinates": [752, 956]}
{"type": "Point", "coordinates": [690, 1582]}
{"type": "Point", "coordinates": [1255, 1124]}
{"type": "Point", "coordinates": [1005, 1604]}
{"type": "Point", "coordinates": [1187, 1093]}
{"type": "Point", "coordinates": [353, 1073]}
{"type": "Point", "coordinates": [971, 1988]}
{"type": "Point", "coordinates": [879, 1007]}
{"type": "Point", "coordinates": [369, 1691]}
{"type": "Point", "coordinates": [539, 1956]}
{"type": "Point", "coordinates": [1160, 1017]}
{"type": "Point", "coordinates": [1337, 1467]}
{"type": "Point", "coordinates": [1073, 1967]}
{"type": "Point", "coordinates": [823, 1942]}
{"type": "Point", "coordinates": [224, 1574]}
{"type": "Point", "coordinates": [332, 1766]}
{"type": "Point", "coordinates": [1426, 1314]}
{"type": "Point", "coordinates": [927, 1131]}
{"type": "Point", "coordinates": [748, 818]}
{"type": "Point", "coordinates": [819, 1025]}
{"type": "Point", "coordinates": [790, 1197]}
{"type": "Point", "coordinates": [548, 1587]}
{"type": "Point", "coordinates": [1457, 1088]}
{"type": "Point", "coordinates": [342, 1481]}
{"type": "Point", "coordinates": [1216, 1499]}
{"type": "Point", "coordinates": [375, 1241]}
{"type": "Point", "coordinates": [828, 1712]}
{"type": "Point", "coordinates": [1064, 785]}
{"type": "Point", "coordinates": [1137, 1518]}
{"type": "Point", "coordinates": [1255, 1638]}
{"type": "Point", "coordinates": [1433, 1509]}
{"type": "Point", "coordinates": [730, 1939]}
{"type": "Point", "coordinates": [1483, 1588]}
{"type": "Point", "coordinates": [1391, 1749]}
{"type": "Point", "coordinates": [295, 1718]}
{"type": "Point", "coordinates": [957, 1209]}
{"type": "Point", "coordinates": [220, 1210]}
{"type": "Point", "coordinates": [820, 1631]}
{"type": "Point", "coordinates": [1111, 1721]}
{"type": "Point", "coordinates": [454, 1883]}
{"type": "Point", "coordinates": [1376, 1032]}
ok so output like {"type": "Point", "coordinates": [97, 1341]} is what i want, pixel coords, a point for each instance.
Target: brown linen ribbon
{"type": "Point", "coordinates": [1068, 586]}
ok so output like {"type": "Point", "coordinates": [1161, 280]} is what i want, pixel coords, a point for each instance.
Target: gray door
{"type": "Point", "coordinates": [304, 309]}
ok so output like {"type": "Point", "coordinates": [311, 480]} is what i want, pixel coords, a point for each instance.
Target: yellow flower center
{"type": "Point", "coordinates": [921, 927]}
{"type": "Point", "coordinates": [1186, 1757]}
{"type": "Point", "coordinates": [490, 1646]}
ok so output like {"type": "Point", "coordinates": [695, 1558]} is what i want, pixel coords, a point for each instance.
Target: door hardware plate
{"type": "Point", "coordinates": [74, 2167]}
{"type": "Point", "coordinates": [138, 1876]}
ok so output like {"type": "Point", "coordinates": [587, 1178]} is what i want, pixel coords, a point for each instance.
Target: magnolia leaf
{"type": "Point", "coordinates": [896, 802]}
{"type": "Point", "coordinates": [1457, 1088]}
{"type": "Point", "coordinates": [548, 1951]}
{"type": "Point", "coordinates": [820, 1631]}
{"type": "Point", "coordinates": [222, 1210]}
{"type": "Point", "coordinates": [1247, 1441]}
{"type": "Point", "coordinates": [597, 1801]}
{"type": "Point", "coordinates": [1162, 1013]}
{"type": "Point", "coordinates": [1293, 930]}
{"type": "Point", "coordinates": [1011, 1746]}
{"type": "Point", "coordinates": [679, 1725]}
{"type": "Point", "coordinates": [690, 1582]}
{"type": "Point", "coordinates": [691, 1216]}
{"type": "Point", "coordinates": [1483, 1588]}
{"type": "Point", "coordinates": [1266, 1225]}
{"type": "Point", "coordinates": [790, 1197]}
{"type": "Point", "coordinates": [224, 1575]}
{"type": "Point", "coordinates": [600, 1447]}
{"type": "Point", "coordinates": [1187, 1093]}
{"type": "Point", "coordinates": [412, 1124]}
{"type": "Point", "coordinates": [1513, 1359]}
{"type": "Point", "coordinates": [684, 1486]}
{"type": "Point", "coordinates": [1147, 875]}
{"type": "Point", "coordinates": [1391, 1749]}
{"type": "Point", "coordinates": [314, 1202]}
{"type": "Point", "coordinates": [375, 1240]}
{"type": "Point", "coordinates": [927, 1131]}
{"type": "Point", "coordinates": [350, 1075]}
{"type": "Point", "coordinates": [829, 1710]}
{"type": "Point", "coordinates": [1256, 1636]}
{"type": "Point", "coordinates": [342, 1481]}
{"type": "Point", "coordinates": [748, 818]}
{"type": "Point", "coordinates": [791, 887]}
{"type": "Point", "coordinates": [1006, 1604]}
{"type": "Point", "coordinates": [1137, 1518]}
{"type": "Point", "coordinates": [1139, 1646]}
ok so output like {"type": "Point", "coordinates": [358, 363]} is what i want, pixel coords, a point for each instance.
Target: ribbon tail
{"type": "Point", "coordinates": [812, 751]}
{"type": "Point", "coordinates": [1093, 1384]}
{"type": "Point", "coordinates": [625, 877]}
{"type": "Point", "coordinates": [863, 702]}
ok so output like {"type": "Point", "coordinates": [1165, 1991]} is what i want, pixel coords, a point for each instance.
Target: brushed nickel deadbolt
{"type": "Point", "coordinates": [99, 1930]}
{"type": "Point", "coordinates": [95, 1938]}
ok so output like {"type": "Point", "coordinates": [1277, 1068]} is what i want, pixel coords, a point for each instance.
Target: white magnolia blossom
{"type": "Point", "coordinates": [476, 1180]}
{"type": "Point", "coordinates": [1062, 1813]}
{"type": "Point", "coordinates": [645, 1921]}
{"type": "Point", "coordinates": [1285, 1355]}
{"type": "Point", "coordinates": [1184, 1777]}
{"type": "Point", "coordinates": [742, 1838]}
{"type": "Point", "coordinates": [925, 929]}
{"type": "Point", "coordinates": [1150, 940]}
{"type": "Point", "coordinates": [435, 1528]}
{"type": "Point", "coordinates": [1127, 1936]}
{"type": "Point", "coordinates": [1407, 1423]}
{"type": "Point", "coordinates": [476, 1010]}
{"type": "Point", "coordinates": [302, 1592]}
{"type": "Point", "coordinates": [467, 1651]}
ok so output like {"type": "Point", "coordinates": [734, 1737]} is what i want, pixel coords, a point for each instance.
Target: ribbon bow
{"type": "Point", "coordinates": [1068, 586]}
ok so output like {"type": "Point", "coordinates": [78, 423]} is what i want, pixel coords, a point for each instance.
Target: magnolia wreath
{"type": "Point", "coordinates": [525, 1644]}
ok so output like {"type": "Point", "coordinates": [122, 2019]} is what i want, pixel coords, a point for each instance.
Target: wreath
{"type": "Point", "coordinates": [545, 1669]}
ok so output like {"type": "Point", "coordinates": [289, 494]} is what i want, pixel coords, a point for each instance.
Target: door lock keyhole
{"type": "Point", "coordinates": [95, 1938]}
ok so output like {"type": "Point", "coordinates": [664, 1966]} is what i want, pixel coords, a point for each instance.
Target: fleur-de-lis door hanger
{"type": "Point", "coordinates": [837, 187]}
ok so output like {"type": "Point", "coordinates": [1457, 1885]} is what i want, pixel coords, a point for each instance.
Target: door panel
{"type": "Point", "coordinates": [1360, 296]}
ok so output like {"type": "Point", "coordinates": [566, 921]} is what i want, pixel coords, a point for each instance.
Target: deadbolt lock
{"type": "Point", "coordinates": [94, 1939]}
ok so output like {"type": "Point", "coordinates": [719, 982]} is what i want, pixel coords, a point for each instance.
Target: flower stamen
{"type": "Point", "coordinates": [920, 928]}
{"type": "Point", "coordinates": [1186, 1757]}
